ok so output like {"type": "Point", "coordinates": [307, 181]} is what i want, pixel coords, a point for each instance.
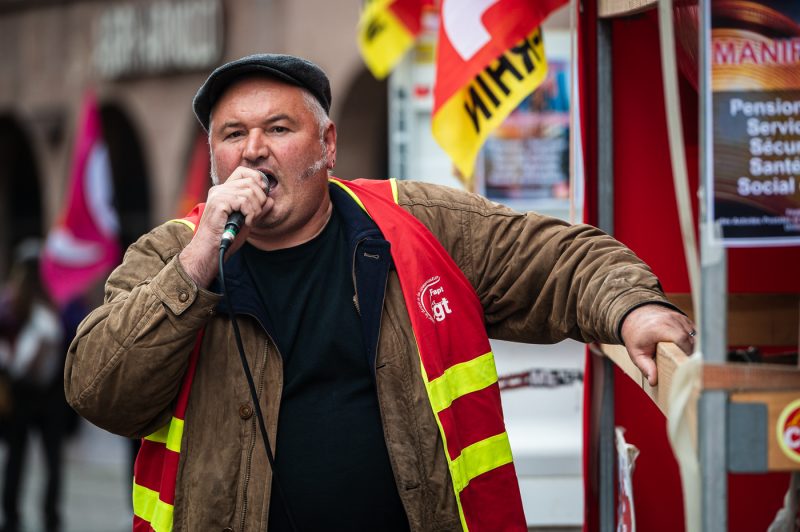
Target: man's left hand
{"type": "Point", "coordinates": [648, 325]}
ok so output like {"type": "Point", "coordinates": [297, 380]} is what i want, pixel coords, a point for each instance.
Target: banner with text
{"type": "Point", "coordinates": [490, 56]}
{"type": "Point", "coordinates": [462, 123]}
{"type": "Point", "coordinates": [527, 156]}
{"type": "Point", "coordinates": [755, 79]}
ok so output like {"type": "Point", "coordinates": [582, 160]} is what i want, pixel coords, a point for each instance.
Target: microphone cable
{"type": "Point", "coordinates": [253, 393]}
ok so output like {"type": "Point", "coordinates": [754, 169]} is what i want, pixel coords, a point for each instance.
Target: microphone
{"type": "Point", "coordinates": [236, 220]}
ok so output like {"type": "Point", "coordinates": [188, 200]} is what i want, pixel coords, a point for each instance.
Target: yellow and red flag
{"type": "Point", "coordinates": [490, 57]}
{"type": "Point", "coordinates": [386, 30]}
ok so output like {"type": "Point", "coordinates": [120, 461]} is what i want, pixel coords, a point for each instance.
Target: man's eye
{"type": "Point", "coordinates": [279, 129]}
{"type": "Point", "coordinates": [233, 135]}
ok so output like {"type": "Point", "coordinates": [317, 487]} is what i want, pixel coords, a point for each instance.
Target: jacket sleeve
{"type": "Point", "coordinates": [125, 366]}
{"type": "Point", "coordinates": [539, 279]}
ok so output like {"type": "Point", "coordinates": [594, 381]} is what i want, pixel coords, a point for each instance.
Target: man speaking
{"type": "Point", "coordinates": [353, 330]}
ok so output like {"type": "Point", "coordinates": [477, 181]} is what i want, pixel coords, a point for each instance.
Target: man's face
{"type": "Point", "coordinates": [267, 125]}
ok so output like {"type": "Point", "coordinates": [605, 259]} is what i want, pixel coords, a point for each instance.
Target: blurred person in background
{"type": "Point", "coordinates": [318, 280]}
{"type": "Point", "coordinates": [32, 355]}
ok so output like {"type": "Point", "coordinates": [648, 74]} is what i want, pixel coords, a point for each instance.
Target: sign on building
{"type": "Point", "coordinates": [755, 83]}
{"type": "Point", "coordinates": [153, 38]}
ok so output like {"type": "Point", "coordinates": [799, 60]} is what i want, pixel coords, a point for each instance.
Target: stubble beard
{"type": "Point", "coordinates": [313, 169]}
{"type": "Point", "coordinates": [316, 166]}
{"type": "Point", "coordinates": [214, 174]}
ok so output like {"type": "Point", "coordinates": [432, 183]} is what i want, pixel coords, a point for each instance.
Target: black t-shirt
{"type": "Point", "coordinates": [331, 456]}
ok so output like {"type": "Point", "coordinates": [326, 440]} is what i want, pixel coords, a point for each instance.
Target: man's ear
{"type": "Point", "coordinates": [330, 144]}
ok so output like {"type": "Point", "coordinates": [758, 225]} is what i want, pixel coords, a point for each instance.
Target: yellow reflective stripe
{"type": "Point", "coordinates": [187, 223]}
{"type": "Point", "coordinates": [479, 458]}
{"type": "Point", "coordinates": [444, 437]}
{"type": "Point", "coordinates": [350, 192]}
{"type": "Point", "coordinates": [149, 507]}
{"type": "Point", "coordinates": [393, 181]}
{"type": "Point", "coordinates": [461, 379]}
{"type": "Point", "coordinates": [159, 436]}
{"type": "Point", "coordinates": [169, 434]}
{"type": "Point", "coordinates": [175, 435]}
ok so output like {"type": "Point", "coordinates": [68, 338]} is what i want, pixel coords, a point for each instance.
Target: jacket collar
{"type": "Point", "coordinates": [358, 226]}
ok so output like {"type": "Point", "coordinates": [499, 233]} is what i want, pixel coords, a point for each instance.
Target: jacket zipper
{"type": "Point", "coordinates": [249, 463]}
{"type": "Point", "coordinates": [378, 342]}
{"type": "Point", "coordinates": [353, 274]}
{"type": "Point", "coordinates": [355, 294]}
{"type": "Point", "coordinates": [392, 461]}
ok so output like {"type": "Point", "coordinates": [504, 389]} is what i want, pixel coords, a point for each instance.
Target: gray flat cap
{"type": "Point", "coordinates": [288, 68]}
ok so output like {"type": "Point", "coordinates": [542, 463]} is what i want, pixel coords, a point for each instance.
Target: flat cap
{"type": "Point", "coordinates": [288, 68]}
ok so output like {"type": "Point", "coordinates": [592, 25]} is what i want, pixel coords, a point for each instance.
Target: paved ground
{"type": "Point", "coordinates": [96, 484]}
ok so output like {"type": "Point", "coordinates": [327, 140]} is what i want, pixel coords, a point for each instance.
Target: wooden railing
{"type": "Point", "coordinates": [753, 319]}
{"type": "Point", "coordinates": [668, 358]}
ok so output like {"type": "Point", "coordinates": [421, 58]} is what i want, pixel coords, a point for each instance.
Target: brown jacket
{"type": "Point", "coordinates": [538, 279]}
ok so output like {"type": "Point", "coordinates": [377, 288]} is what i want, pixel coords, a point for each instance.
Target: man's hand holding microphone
{"type": "Point", "coordinates": [232, 208]}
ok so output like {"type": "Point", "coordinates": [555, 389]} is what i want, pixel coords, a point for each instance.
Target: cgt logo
{"type": "Point", "coordinates": [432, 301]}
{"type": "Point", "coordinates": [789, 430]}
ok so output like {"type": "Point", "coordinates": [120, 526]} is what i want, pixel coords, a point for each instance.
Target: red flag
{"type": "Point", "coordinates": [473, 33]}
{"type": "Point", "coordinates": [198, 176]}
{"type": "Point", "coordinates": [83, 246]}
{"type": "Point", "coordinates": [490, 56]}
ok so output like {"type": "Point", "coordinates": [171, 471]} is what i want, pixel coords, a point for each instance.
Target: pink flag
{"type": "Point", "coordinates": [83, 245]}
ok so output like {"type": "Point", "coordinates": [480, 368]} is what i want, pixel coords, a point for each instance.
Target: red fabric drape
{"type": "Point", "coordinates": [645, 219]}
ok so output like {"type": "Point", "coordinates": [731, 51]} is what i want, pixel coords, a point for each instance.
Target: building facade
{"type": "Point", "coordinates": [144, 60]}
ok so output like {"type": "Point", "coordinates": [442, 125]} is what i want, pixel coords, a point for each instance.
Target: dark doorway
{"type": "Point", "coordinates": [131, 182]}
{"type": "Point", "coordinates": [20, 192]}
{"type": "Point", "coordinates": [363, 130]}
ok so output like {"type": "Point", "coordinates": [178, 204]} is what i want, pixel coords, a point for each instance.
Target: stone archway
{"type": "Point", "coordinates": [21, 213]}
{"type": "Point", "coordinates": [129, 169]}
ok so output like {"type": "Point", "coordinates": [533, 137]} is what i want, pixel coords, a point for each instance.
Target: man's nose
{"type": "Point", "coordinates": [256, 148]}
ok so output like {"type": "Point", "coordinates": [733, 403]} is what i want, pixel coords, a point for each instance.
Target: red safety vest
{"type": "Point", "coordinates": [457, 368]}
{"type": "Point", "coordinates": [156, 467]}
